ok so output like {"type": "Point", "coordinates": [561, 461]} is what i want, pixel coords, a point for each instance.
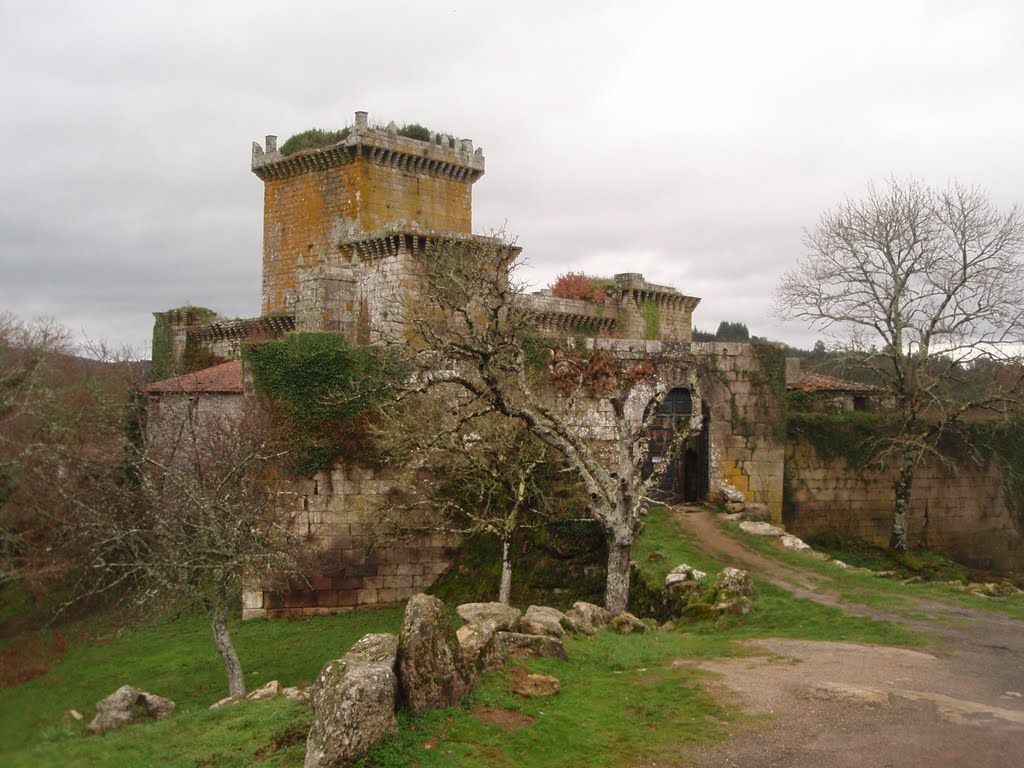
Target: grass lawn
{"type": "Point", "coordinates": [621, 701]}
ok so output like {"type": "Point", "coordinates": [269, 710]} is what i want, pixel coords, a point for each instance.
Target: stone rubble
{"type": "Point", "coordinates": [684, 572]}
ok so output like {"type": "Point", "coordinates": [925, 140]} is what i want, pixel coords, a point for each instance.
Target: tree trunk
{"type": "Point", "coordinates": [901, 505]}
{"type": "Point", "coordinates": [233, 668]}
{"type": "Point", "coordinates": [616, 596]}
{"type": "Point", "coordinates": [505, 591]}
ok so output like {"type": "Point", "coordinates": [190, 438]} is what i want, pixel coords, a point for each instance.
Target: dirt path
{"type": "Point", "coordinates": [957, 703]}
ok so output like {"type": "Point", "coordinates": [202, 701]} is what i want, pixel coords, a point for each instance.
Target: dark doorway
{"type": "Point", "coordinates": [686, 480]}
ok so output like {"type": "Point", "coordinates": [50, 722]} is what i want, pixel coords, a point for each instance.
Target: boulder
{"type": "Point", "coordinates": [267, 691]}
{"type": "Point", "coordinates": [761, 529]}
{"type": "Point", "coordinates": [626, 623]}
{"type": "Point", "coordinates": [755, 510]}
{"type": "Point", "coordinates": [576, 624]}
{"type": "Point", "coordinates": [476, 641]}
{"type": "Point", "coordinates": [353, 703]}
{"type": "Point", "coordinates": [516, 644]}
{"type": "Point", "coordinates": [734, 592]}
{"type": "Point", "coordinates": [129, 705]}
{"type": "Point", "coordinates": [729, 493]}
{"type": "Point", "coordinates": [594, 615]}
{"type": "Point", "coordinates": [789, 541]}
{"type": "Point", "coordinates": [532, 686]}
{"type": "Point", "coordinates": [683, 572]}
{"type": "Point", "coordinates": [431, 671]}
{"type": "Point", "coordinates": [504, 616]}
{"type": "Point", "coordinates": [539, 620]}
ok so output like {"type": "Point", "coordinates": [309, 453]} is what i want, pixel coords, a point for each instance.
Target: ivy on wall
{"type": "Point", "coordinates": [324, 388]}
{"type": "Point", "coordinates": [162, 364]}
{"type": "Point", "coordinates": [652, 320]}
{"type": "Point", "coordinates": [856, 438]}
{"type": "Point", "coordinates": [195, 356]}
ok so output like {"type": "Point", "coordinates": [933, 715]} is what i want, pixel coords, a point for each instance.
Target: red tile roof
{"type": "Point", "coordinates": [818, 382]}
{"type": "Point", "coordinates": [223, 378]}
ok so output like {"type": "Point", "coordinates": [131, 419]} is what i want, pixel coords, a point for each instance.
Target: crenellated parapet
{"type": "Point", "coordinates": [440, 155]}
{"type": "Point", "coordinates": [633, 309]}
{"type": "Point", "coordinates": [370, 182]}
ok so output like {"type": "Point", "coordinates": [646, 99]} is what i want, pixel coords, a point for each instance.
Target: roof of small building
{"type": "Point", "coordinates": [225, 378]}
{"type": "Point", "coordinates": [819, 382]}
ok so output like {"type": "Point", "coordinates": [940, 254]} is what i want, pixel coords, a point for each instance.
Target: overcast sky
{"type": "Point", "coordinates": [689, 141]}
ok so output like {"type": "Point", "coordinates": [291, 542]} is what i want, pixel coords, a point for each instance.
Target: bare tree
{"type": "Point", "coordinates": [65, 421]}
{"type": "Point", "coordinates": [924, 288]}
{"type": "Point", "coordinates": [213, 513]}
{"type": "Point", "coordinates": [476, 472]}
{"type": "Point", "coordinates": [471, 327]}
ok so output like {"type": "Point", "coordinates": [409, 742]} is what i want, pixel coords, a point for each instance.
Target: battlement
{"type": "Point", "coordinates": [633, 309]}
{"type": "Point", "coordinates": [440, 155]}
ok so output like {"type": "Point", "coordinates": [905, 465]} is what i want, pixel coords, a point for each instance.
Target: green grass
{"type": "Point", "coordinates": [777, 613]}
{"type": "Point", "coordinates": [873, 591]}
{"type": "Point", "coordinates": [177, 660]}
{"type": "Point", "coordinates": [622, 702]}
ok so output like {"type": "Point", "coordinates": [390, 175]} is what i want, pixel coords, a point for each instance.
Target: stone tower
{"type": "Point", "coordinates": [338, 220]}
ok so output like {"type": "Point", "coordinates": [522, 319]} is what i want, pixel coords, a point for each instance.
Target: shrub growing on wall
{"type": "Point", "coordinates": [314, 138]}
{"type": "Point", "coordinates": [324, 389]}
{"type": "Point", "coordinates": [576, 285]}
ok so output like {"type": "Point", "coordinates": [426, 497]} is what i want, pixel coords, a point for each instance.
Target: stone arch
{"type": "Point", "coordinates": [686, 480]}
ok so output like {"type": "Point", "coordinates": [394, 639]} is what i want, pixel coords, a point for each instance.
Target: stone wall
{"type": "Point", "coordinates": [356, 564]}
{"type": "Point", "coordinates": [745, 444]}
{"type": "Point", "coordinates": [959, 511]}
{"type": "Point", "coordinates": [746, 435]}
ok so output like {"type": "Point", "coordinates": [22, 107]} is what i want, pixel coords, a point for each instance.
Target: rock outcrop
{"type": "Point", "coordinates": [353, 703]}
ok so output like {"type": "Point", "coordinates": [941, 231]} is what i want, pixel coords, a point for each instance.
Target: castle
{"type": "Point", "coordinates": [343, 227]}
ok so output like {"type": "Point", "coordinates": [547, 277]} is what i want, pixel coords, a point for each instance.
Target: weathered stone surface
{"type": "Point", "coordinates": [225, 701]}
{"type": "Point", "coordinates": [431, 670]}
{"type": "Point", "coordinates": [729, 493]}
{"type": "Point", "coordinates": [683, 572]}
{"type": "Point", "coordinates": [761, 529]}
{"type": "Point", "coordinates": [504, 616]}
{"type": "Point", "coordinates": [735, 592]}
{"type": "Point", "coordinates": [532, 686]}
{"type": "Point", "coordinates": [580, 622]}
{"type": "Point", "coordinates": [595, 615]}
{"type": "Point", "coordinates": [626, 623]}
{"type": "Point", "coordinates": [575, 623]}
{"type": "Point", "coordinates": [353, 703]}
{"type": "Point", "coordinates": [267, 691]}
{"type": "Point", "coordinates": [539, 620]}
{"type": "Point", "coordinates": [513, 643]}
{"type": "Point", "coordinates": [129, 705]}
{"type": "Point", "coordinates": [476, 640]}
{"type": "Point", "coordinates": [300, 694]}
{"type": "Point", "coordinates": [796, 544]}
{"type": "Point", "coordinates": [755, 510]}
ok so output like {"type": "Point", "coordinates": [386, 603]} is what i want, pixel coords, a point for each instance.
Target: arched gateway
{"type": "Point", "coordinates": [686, 480]}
